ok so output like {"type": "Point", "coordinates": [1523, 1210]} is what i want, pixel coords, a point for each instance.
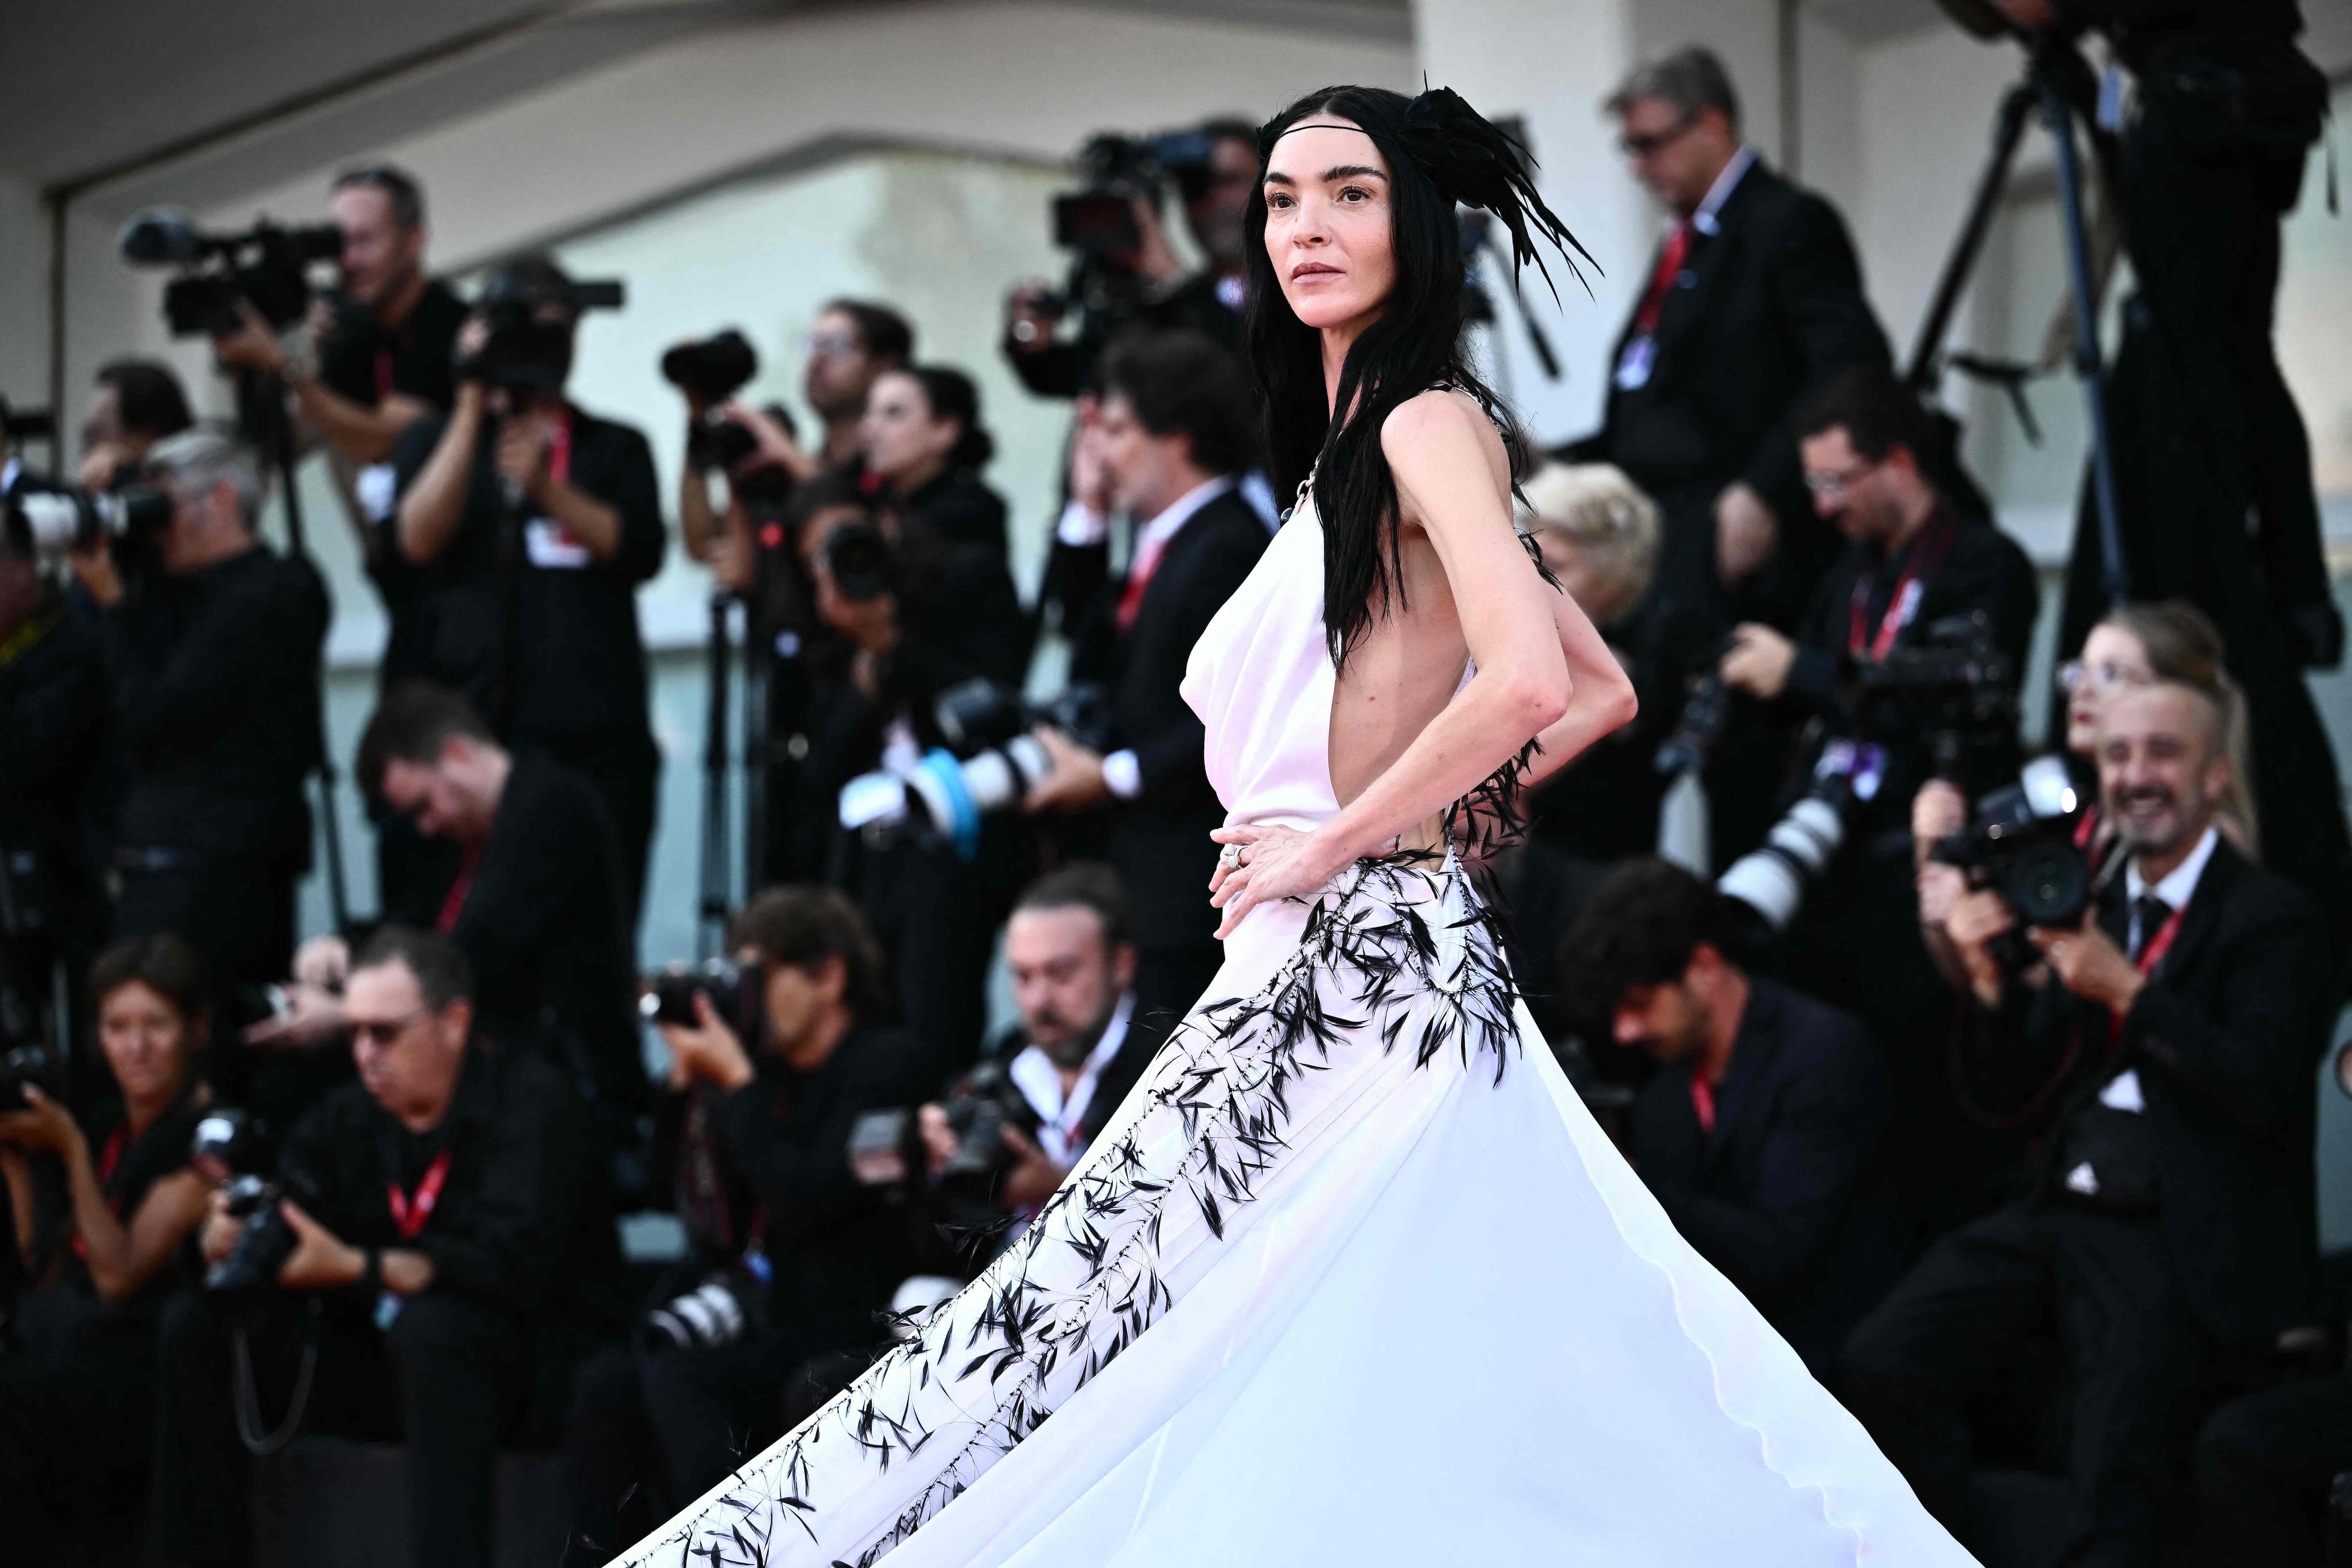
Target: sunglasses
{"type": "Point", "coordinates": [1643, 146]}
{"type": "Point", "coordinates": [384, 1032]}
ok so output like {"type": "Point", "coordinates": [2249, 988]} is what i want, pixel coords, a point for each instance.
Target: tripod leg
{"type": "Point", "coordinates": [2088, 367]}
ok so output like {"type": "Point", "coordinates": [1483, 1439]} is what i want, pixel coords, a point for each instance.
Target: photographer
{"type": "Point", "coordinates": [1166, 448]}
{"type": "Point", "coordinates": [1759, 1131]}
{"type": "Point", "coordinates": [136, 404]}
{"type": "Point", "coordinates": [376, 359]}
{"type": "Point", "coordinates": [78, 1377]}
{"type": "Point", "coordinates": [449, 1255]}
{"type": "Point", "coordinates": [1754, 302]}
{"type": "Point", "coordinates": [1215, 170]}
{"type": "Point", "coordinates": [1083, 1042]}
{"type": "Point", "coordinates": [212, 659]}
{"type": "Point", "coordinates": [2168, 1232]}
{"type": "Point", "coordinates": [524, 527]}
{"type": "Point", "coordinates": [535, 909]}
{"type": "Point", "coordinates": [764, 1170]}
{"type": "Point", "coordinates": [898, 618]}
{"type": "Point", "coordinates": [924, 447]}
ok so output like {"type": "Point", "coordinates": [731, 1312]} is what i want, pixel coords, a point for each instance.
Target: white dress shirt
{"type": "Point", "coordinates": [1061, 1117]}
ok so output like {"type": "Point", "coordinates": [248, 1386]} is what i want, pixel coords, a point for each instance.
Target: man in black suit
{"type": "Point", "coordinates": [1760, 1131]}
{"type": "Point", "coordinates": [1755, 299]}
{"type": "Point", "coordinates": [2168, 1234]}
{"type": "Point", "coordinates": [1165, 447]}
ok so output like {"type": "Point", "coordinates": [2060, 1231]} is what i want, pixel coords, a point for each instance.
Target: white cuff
{"type": "Point", "coordinates": [1081, 525]}
{"type": "Point", "coordinates": [1123, 774]}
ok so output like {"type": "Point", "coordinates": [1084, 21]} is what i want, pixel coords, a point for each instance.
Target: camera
{"type": "Point", "coordinates": [1773, 878]}
{"type": "Point", "coordinates": [232, 1147]}
{"type": "Point", "coordinates": [991, 760]}
{"type": "Point", "coordinates": [45, 522]}
{"type": "Point", "coordinates": [2022, 844]}
{"type": "Point", "coordinates": [859, 558]}
{"type": "Point", "coordinates": [268, 266]}
{"type": "Point", "coordinates": [1956, 688]}
{"type": "Point", "coordinates": [710, 371]}
{"type": "Point", "coordinates": [524, 351]}
{"type": "Point", "coordinates": [886, 1147]}
{"type": "Point", "coordinates": [718, 1312]}
{"type": "Point", "coordinates": [26, 423]}
{"type": "Point", "coordinates": [1700, 726]}
{"type": "Point", "coordinates": [667, 995]}
{"type": "Point", "coordinates": [1097, 224]}
{"type": "Point", "coordinates": [36, 1065]}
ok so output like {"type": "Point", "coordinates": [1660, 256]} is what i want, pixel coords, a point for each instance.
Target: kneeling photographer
{"type": "Point", "coordinates": [524, 527]}
{"type": "Point", "coordinates": [1898, 703]}
{"type": "Point", "coordinates": [78, 1375]}
{"type": "Point", "coordinates": [1166, 448]}
{"type": "Point", "coordinates": [2162, 1054]}
{"type": "Point", "coordinates": [903, 662]}
{"type": "Point", "coordinates": [793, 1257]}
{"type": "Point", "coordinates": [437, 1253]}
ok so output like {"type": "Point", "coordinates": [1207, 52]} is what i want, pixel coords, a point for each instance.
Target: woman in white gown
{"type": "Point", "coordinates": [1351, 1277]}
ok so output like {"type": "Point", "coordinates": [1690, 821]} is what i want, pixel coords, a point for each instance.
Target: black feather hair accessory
{"type": "Point", "coordinates": [1478, 164]}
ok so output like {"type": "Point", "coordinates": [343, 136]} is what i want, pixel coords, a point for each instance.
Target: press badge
{"type": "Point", "coordinates": [549, 544]}
{"type": "Point", "coordinates": [387, 1311]}
{"type": "Point", "coordinates": [1633, 367]}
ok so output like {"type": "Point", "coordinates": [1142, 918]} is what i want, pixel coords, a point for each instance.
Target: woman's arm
{"type": "Point", "coordinates": [17, 1172]}
{"type": "Point", "coordinates": [122, 1257]}
{"type": "Point", "coordinates": [1543, 672]}
{"type": "Point", "coordinates": [435, 503]}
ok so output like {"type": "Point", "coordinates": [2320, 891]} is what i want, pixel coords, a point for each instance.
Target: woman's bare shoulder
{"type": "Point", "coordinates": [1441, 441]}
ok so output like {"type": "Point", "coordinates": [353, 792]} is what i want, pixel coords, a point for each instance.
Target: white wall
{"type": "Point", "coordinates": [24, 290]}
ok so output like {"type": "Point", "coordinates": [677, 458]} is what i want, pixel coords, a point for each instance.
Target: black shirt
{"type": "Point", "coordinates": [960, 508]}
{"type": "Point", "coordinates": [364, 361]}
{"type": "Point", "coordinates": [839, 1247]}
{"type": "Point", "coordinates": [128, 1168]}
{"type": "Point", "coordinates": [580, 664]}
{"type": "Point", "coordinates": [542, 926]}
{"type": "Point", "coordinates": [523, 1220]}
{"type": "Point", "coordinates": [53, 702]}
{"type": "Point", "coordinates": [214, 678]}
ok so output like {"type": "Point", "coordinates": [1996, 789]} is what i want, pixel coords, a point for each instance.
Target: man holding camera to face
{"type": "Point", "coordinates": [443, 1248]}
{"type": "Point", "coordinates": [211, 644]}
{"type": "Point", "coordinates": [1166, 446]}
{"type": "Point", "coordinates": [776, 1077]}
{"type": "Point", "coordinates": [376, 359]}
{"type": "Point", "coordinates": [524, 526]}
{"type": "Point", "coordinates": [2168, 1233]}
{"type": "Point", "coordinates": [1135, 279]}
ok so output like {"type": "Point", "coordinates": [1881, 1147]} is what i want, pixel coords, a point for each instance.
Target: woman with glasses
{"type": "Point", "coordinates": [77, 1381]}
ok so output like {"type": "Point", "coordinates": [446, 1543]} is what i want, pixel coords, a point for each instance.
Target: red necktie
{"type": "Point", "coordinates": [1139, 578]}
{"type": "Point", "coordinates": [1670, 265]}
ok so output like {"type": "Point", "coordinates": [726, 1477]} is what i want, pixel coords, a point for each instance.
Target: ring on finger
{"type": "Point", "coordinates": [1231, 855]}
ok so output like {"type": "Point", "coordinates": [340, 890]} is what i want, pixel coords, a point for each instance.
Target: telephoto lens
{"type": "Point", "coordinates": [718, 1312]}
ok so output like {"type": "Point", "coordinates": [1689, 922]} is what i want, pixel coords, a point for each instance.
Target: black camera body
{"type": "Point", "coordinates": [1957, 688]}
{"type": "Point", "coordinates": [267, 266]}
{"type": "Point", "coordinates": [2022, 846]}
{"type": "Point", "coordinates": [33, 1063]}
{"type": "Point", "coordinates": [45, 521]}
{"type": "Point", "coordinates": [861, 561]}
{"type": "Point", "coordinates": [667, 995]}
{"type": "Point", "coordinates": [710, 371]}
{"type": "Point", "coordinates": [233, 1149]}
{"type": "Point", "coordinates": [886, 1147]}
{"type": "Point", "coordinates": [523, 351]}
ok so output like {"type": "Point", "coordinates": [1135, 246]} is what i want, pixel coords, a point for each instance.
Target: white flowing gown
{"type": "Point", "coordinates": [1350, 1278]}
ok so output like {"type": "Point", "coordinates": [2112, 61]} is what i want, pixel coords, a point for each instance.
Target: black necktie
{"type": "Point", "coordinates": [2149, 913]}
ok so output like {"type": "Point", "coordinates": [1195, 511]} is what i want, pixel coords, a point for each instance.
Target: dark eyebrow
{"type": "Point", "coordinates": [1350, 171]}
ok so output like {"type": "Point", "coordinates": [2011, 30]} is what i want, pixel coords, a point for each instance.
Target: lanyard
{"type": "Point", "coordinates": [2152, 951]}
{"type": "Point", "coordinates": [1670, 265]}
{"type": "Point", "coordinates": [409, 1214]}
{"type": "Point", "coordinates": [383, 371]}
{"type": "Point", "coordinates": [1919, 563]}
{"type": "Point", "coordinates": [108, 1157]}
{"type": "Point", "coordinates": [462, 889]}
{"type": "Point", "coordinates": [558, 447]}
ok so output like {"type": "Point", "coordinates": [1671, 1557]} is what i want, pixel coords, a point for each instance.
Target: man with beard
{"type": "Point", "coordinates": [2168, 1234]}
{"type": "Point", "coordinates": [1070, 947]}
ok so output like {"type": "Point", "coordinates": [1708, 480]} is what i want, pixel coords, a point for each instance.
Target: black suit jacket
{"type": "Point", "coordinates": [1784, 1196]}
{"type": "Point", "coordinates": [2226, 1038]}
{"type": "Point", "coordinates": [1159, 841]}
{"type": "Point", "coordinates": [1766, 309]}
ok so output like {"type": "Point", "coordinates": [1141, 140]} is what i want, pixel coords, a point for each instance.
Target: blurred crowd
{"type": "Point", "coordinates": [1987, 1072]}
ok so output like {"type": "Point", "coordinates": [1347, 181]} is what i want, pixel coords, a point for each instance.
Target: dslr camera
{"type": "Point", "coordinates": [2022, 844]}
{"type": "Point", "coordinates": [726, 1306]}
{"type": "Point", "coordinates": [268, 266]}
{"type": "Point", "coordinates": [232, 1148]}
{"type": "Point", "coordinates": [991, 760]}
{"type": "Point", "coordinates": [45, 521]}
{"type": "Point", "coordinates": [886, 1147]}
{"type": "Point", "coordinates": [525, 352]}
{"type": "Point", "coordinates": [667, 996]}
{"type": "Point", "coordinates": [710, 371]}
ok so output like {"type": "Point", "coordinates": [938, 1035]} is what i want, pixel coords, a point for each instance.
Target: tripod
{"type": "Point", "coordinates": [2058, 84]}
{"type": "Point", "coordinates": [261, 407]}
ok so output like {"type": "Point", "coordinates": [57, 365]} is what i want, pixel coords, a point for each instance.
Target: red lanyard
{"type": "Point", "coordinates": [108, 1157]}
{"type": "Point", "coordinates": [1670, 265]}
{"type": "Point", "coordinates": [383, 371]}
{"type": "Point", "coordinates": [1919, 563]}
{"type": "Point", "coordinates": [2152, 951]}
{"type": "Point", "coordinates": [459, 890]}
{"type": "Point", "coordinates": [1139, 579]}
{"type": "Point", "coordinates": [2087, 828]}
{"type": "Point", "coordinates": [1703, 1104]}
{"type": "Point", "coordinates": [558, 447]}
{"type": "Point", "coordinates": [409, 1214]}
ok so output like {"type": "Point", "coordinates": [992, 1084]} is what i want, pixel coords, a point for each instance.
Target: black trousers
{"type": "Point", "coordinates": [237, 911]}
{"type": "Point", "coordinates": [671, 1423]}
{"type": "Point", "coordinates": [1973, 1307]}
{"type": "Point", "coordinates": [2263, 1466]}
{"type": "Point", "coordinates": [936, 920]}
{"type": "Point", "coordinates": [69, 1419]}
{"type": "Point", "coordinates": [623, 767]}
{"type": "Point", "coordinates": [449, 1378]}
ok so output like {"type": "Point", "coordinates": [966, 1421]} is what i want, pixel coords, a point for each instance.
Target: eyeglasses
{"type": "Point", "coordinates": [1831, 483]}
{"type": "Point", "coordinates": [2074, 675]}
{"type": "Point", "coordinates": [832, 345]}
{"type": "Point", "coordinates": [384, 1032]}
{"type": "Point", "coordinates": [1643, 146]}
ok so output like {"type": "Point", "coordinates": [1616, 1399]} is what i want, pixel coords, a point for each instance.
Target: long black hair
{"type": "Point", "coordinates": [1440, 151]}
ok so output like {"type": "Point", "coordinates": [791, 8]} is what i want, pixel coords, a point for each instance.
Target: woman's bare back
{"type": "Point", "coordinates": [1411, 663]}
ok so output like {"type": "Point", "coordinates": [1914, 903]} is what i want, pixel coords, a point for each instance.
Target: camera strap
{"type": "Point", "coordinates": [248, 1397]}
{"type": "Point", "coordinates": [1920, 565]}
{"type": "Point", "coordinates": [410, 1213]}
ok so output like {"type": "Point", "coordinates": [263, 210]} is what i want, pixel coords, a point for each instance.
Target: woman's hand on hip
{"type": "Point", "coordinates": [1262, 864]}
